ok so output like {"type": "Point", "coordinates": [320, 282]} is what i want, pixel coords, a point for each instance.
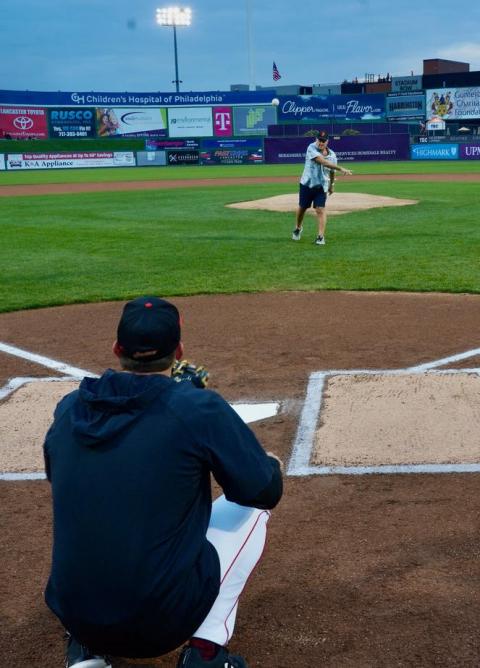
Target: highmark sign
{"type": "Point", "coordinates": [434, 152]}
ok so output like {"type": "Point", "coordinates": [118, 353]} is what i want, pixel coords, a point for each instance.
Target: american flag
{"type": "Point", "coordinates": [276, 74]}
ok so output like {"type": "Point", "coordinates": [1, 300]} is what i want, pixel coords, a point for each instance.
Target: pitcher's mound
{"type": "Point", "coordinates": [337, 203]}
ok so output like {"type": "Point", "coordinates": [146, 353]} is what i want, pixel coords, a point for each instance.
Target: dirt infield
{"type": "Point", "coordinates": [63, 188]}
{"type": "Point", "coordinates": [361, 571]}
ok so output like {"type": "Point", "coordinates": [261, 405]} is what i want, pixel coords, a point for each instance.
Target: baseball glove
{"type": "Point", "coordinates": [197, 375]}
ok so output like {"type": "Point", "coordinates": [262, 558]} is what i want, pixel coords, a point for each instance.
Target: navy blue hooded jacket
{"type": "Point", "coordinates": [129, 458]}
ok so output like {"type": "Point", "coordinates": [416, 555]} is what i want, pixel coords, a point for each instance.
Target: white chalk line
{"type": "Point", "coordinates": [61, 367]}
{"type": "Point", "coordinates": [299, 463]}
{"type": "Point", "coordinates": [249, 412]}
{"type": "Point", "coordinates": [303, 445]}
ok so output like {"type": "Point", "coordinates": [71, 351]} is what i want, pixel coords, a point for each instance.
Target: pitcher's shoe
{"type": "Point", "coordinates": [78, 656]}
{"type": "Point", "coordinates": [320, 241]}
{"type": "Point", "coordinates": [190, 658]}
{"type": "Point", "coordinates": [297, 233]}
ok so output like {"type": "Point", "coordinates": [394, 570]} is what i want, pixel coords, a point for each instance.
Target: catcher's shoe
{"type": "Point", "coordinates": [297, 234]}
{"type": "Point", "coordinates": [320, 241]}
{"type": "Point", "coordinates": [190, 658]}
{"type": "Point", "coordinates": [78, 656]}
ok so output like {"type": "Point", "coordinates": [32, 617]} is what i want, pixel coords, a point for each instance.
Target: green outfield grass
{"type": "Point", "coordinates": [121, 174]}
{"type": "Point", "coordinates": [61, 249]}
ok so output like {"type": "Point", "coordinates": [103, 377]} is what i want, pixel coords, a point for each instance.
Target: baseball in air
{"type": "Point", "coordinates": [275, 101]}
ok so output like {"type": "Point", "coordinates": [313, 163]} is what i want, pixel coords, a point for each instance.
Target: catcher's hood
{"type": "Point", "coordinates": [109, 404]}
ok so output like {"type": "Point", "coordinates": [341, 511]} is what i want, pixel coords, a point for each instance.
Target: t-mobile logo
{"type": "Point", "coordinates": [223, 121]}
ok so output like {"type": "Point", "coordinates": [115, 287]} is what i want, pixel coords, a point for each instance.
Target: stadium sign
{"type": "Point", "coordinates": [27, 161]}
{"type": "Point", "coordinates": [454, 103]}
{"type": "Point", "coordinates": [23, 122]}
{"type": "Point", "coordinates": [470, 151]}
{"type": "Point", "coordinates": [347, 149]}
{"type": "Point", "coordinates": [65, 122]}
{"type": "Point", "coordinates": [434, 152]}
{"type": "Point", "coordinates": [190, 122]}
{"type": "Point", "coordinates": [406, 84]}
{"type": "Point", "coordinates": [253, 120]}
{"type": "Point", "coordinates": [314, 108]}
{"type": "Point", "coordinates": [405, 107]}
{"type": "Point", "coordinates": [101, 99]}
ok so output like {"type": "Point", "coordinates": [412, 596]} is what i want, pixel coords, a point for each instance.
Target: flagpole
{"type": "Point", "coordinates": [251, 69]}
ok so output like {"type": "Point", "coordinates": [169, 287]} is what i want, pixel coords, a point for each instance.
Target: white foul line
{"type": "Point", "coordinates": [45, 361]}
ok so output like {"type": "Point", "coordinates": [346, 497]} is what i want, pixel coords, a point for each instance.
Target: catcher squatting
{"type": "Point", "coordinates": [142, 561]}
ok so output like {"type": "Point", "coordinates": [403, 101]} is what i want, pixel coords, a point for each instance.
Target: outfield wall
{"type": "Point", "coordinates": [241, 151]}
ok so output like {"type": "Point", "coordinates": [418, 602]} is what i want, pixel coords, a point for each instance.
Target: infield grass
{"type": "Point", "coordinates": [61, 249]}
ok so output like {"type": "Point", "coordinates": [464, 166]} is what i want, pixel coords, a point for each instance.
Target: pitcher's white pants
{"type": "Point", "coordinates": [238, 534]}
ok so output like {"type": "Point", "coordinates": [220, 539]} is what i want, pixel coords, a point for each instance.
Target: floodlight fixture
{"type": "Point", "coordinates": [173, 17]}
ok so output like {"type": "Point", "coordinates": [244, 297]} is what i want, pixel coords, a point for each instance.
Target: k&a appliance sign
{"type": "Point", "coordinates": [190, 122]}
{"type": "Point", "coordinates": [16, 161]}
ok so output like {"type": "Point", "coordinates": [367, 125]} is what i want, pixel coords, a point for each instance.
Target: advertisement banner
{"type": "Point", "coordinates": [222, 121]}
{"type": "Point", "coordinates": [452, 103]}
{"type": "Point", "coordinates": [2, 161]}
{"type": "Point", "coordinates": [190, 122]}
{"type": "Point", "coordinates": [406, 84]}
{"type": "Point", "coordinates": [231, 151]}
{"type": "Point", "coordinates": [151, 158]}
{"type": "Point", "coordinates": [159, 144]}
{"type": "Point", "coordinates": [71, 122]}
{"type": "Point", "coordinates": [470, 152]}
{"type": "Point", "coordinates": [305, 108]}
{"type": "Point", "coordinates": [348, 149]}
{"type": "Point", "coordinates": [183, 157]}
{"type": "Point", "coordinates": [109, 99]}
{"type": "Point", "coordinates": [23, 123]}
{"type": "Point", "coordinates": [434, 152]}
{"type": "Point", "coordinates": [253, 120]}
{"type": "Point", "coordinates": [70, 160]}
{"type": "Point", "coordinates": [359, 107]}
{"type": "Point", "coordinates": [131, 122]}
{"type": "Point", "coordinates": [314, 108]}
{"type": "Point", "coordinates": [406, 106]}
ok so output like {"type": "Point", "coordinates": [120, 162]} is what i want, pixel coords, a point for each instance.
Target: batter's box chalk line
{"type": "Point", "coordinates": [299, 464]}
{"type": "Point", "coordinates": [249, 412]}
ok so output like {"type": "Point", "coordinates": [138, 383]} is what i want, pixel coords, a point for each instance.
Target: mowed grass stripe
{"type": "Point", "coordinates": [94, 247]}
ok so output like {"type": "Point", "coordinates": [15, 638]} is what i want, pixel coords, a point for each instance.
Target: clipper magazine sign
{"type": "Point", "coordinates": [312, 108]}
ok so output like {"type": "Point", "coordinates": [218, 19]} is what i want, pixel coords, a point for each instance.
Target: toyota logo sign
{"type": "Point", "coordinates": [23, 123]}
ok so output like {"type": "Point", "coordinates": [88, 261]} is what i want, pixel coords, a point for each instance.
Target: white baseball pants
{"type": "Point", "coordinates": [238, 534]}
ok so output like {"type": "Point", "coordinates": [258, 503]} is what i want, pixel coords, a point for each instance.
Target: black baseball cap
{"type": "Point", "coordinates": [322, 135]}
{"type": "Point", "coordinates": [148, 325]}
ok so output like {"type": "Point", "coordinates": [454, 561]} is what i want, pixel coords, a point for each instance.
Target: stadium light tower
{"type": "Point", "coordinates": [174, 16]}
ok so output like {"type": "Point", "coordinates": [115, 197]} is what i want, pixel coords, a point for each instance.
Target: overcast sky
{"type": "Point", "coordinates": [105, 46]}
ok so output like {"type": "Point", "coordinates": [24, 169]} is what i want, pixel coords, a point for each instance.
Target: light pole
{"type": "Point", "coordinates": [174, 16]}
